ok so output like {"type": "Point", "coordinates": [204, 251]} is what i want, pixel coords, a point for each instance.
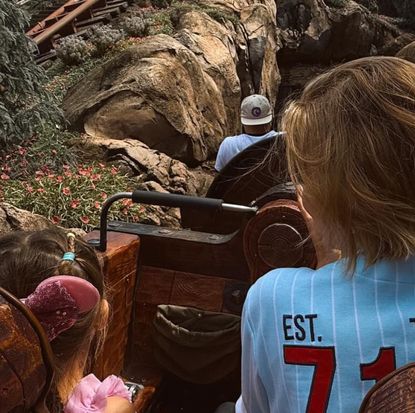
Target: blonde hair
{"type": "Point", "coordinates": [351, 144]}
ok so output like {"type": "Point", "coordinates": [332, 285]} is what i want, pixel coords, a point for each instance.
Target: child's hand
{"type": "Point", "coordinates": [117, 404]}
{"type": "Point", "coordinates": [326, 253]}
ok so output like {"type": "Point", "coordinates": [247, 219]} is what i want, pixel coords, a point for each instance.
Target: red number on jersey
{"type": "Point", "coordinates": [324, 361]}
{"type": "Point", "coordinates": [383, 365]}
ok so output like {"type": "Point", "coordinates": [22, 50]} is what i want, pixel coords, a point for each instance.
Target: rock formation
{"type": "Point", "coordinates": [13, 219]}
{"type": "Point", "coordinates": [181, 95]}
{"type": "Point", "coordinates": [314, 32]}
{"type": "Point", "coordinates": [407, 52]}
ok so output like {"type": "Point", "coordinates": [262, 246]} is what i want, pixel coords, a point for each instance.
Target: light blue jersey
{"type": "Point", "coordinates": [232, 145]}
{"type": "Point", "coordinates": [317, 341]}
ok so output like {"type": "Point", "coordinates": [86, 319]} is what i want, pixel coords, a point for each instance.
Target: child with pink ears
{"type": "Point", "coordinates": [58, 277]}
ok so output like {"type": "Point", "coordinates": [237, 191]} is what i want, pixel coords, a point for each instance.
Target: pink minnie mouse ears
{"type": "Point", "coordinates": [58, 301]}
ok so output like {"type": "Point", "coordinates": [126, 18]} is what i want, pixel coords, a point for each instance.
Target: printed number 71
{"type": "Point", "coordinates": [324, 361]}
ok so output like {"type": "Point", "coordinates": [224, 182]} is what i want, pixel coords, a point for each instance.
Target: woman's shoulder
{"type": "Point", "coordinates": [281, 277]}
{"type": "Point", "coordinates": [279, 283]}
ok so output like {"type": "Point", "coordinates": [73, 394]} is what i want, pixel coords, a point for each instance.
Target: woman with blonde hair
{"type": "Point", "coordinates": [316, 340]}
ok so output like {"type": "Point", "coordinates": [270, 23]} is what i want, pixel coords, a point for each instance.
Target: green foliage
{"type": "Point", "coordinates": [73, 50]}
{"type": "Point", "coordinates": [160, 23]}
{"type": "Point", "coordinates": [104, 37]}
{"type": "Point", "coordinates": [61, 77]}
{"type": "Point", "coordinates": [74, 197]}
{"type": "Point", "coordinates": [49, 148]}
{"type": "Point", "coordinates": [135, 26]}
{"type": "Point", "coordinates": [161, 4]}
{"type": "Point", "coordinates": [24, 103]}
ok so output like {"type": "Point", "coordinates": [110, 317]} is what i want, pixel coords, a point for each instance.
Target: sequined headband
{"type": "Point", "coordinates": [58, 301]}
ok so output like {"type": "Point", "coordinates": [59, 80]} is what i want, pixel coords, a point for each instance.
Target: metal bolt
{"type": "Point", "coordinates": [236, 296]}
{"type": "Point", "coordinates": [214, 237]}
{"type": "Point", "coordinates": [164, 231]}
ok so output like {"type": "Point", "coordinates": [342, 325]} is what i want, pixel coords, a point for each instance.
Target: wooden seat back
{"type": "Point", "coordinates": [247, 176]}
{"type": "Point", "coordinates": [395, 393]}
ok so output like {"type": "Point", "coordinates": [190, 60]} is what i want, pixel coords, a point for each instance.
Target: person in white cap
{"type": "Point", "coordinates": [256, 119]}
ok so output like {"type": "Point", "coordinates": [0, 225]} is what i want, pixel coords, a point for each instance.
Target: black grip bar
{"type": "Point", "coordinates": [163, 199]}
{"type": "Point", "coordinates": [174, 200]}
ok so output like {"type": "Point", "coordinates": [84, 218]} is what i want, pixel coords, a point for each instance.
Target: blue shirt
{"type": "Point", "coordinates": [232, 145]}
{"type": "Point", "coordinates": [317, 340]}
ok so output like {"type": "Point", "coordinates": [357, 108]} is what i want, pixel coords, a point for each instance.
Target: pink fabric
{"type": "Point", "coordinates": [90, 395]}
{"type": "Point", "coordinates": [57, 302]}
{"type": "Point", "coordinates": [54, 307]}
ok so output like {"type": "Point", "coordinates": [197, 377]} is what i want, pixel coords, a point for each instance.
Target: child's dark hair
{"type": "Point", "coordinates": [27, 258]}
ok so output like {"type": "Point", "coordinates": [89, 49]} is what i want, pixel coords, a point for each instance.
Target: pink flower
{"type": "Point", "coordinates": [68, 173]}
{"type": "Point", "coordinates": [75, 203]}
{"type": "Point", "coordinates": [127, 202]}
{"type": "Point", "coordinates": [104, 196]}
{"type": "Point", "coordinates": [97, 205]}
{"type": "Point", "coordinates": [51, 176]}
{"type": "Point", "coordinates": [96, 177]}
{"type": "Point", "coordinates": [55, 220]}
{"type": "Point", "coordinates": [39, 174]}
{"type": "Point", "coordinates": [114, 170]}
{"type": "Point", "coordinates": [22, 151]}
{"type": "Point", "coordinates": [40, 190]}
{"type": "Point", "coordinates": [83, 172]}
{"type": "Point", "coordinates": [4, 177]}
{"type": "Point", "coordinates": [59, 178]}
{"type": "Point", "coordinates": [29, 189]}
{"type": "Point", "coordinates": [84, 219]}
{"type": "Point", "coordinates": [66, 191]}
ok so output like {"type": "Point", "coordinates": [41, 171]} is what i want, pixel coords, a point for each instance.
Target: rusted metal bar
{"type": "Point", "coordinates": [41, 25]}
{"type": "Point", "coordinates": [67, 19]}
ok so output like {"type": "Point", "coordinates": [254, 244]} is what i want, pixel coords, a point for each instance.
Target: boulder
{"type": "Point", "coordinates": [258, 44]}
{"type": "Point", "coordinates": [408, 52]}
{"type": "Point", "coordinates": [155, 92]}
{"type": "Point", "coordinates": [237, 6]}
{"type": "Point", "coordinates": [181, 96]}
{"type": "Point", "coordinates": [149, 165]}
{"type": "Point", "coordinates": [214, 46]}
{"type": "Point", "coordinates": [313, 32]}
{"type": "Point", "coordinates": [14, 219]}
{"type": "Point", "coordinates": [395, 45]}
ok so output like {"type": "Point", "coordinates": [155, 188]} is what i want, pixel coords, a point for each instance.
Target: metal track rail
{"type": "Point", "coordinates": [71, 18]}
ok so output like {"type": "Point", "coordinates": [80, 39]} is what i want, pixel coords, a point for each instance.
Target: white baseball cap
{"type": "Point", "coordinates": [256, 110]}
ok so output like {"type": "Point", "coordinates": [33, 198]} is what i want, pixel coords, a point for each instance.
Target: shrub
{"type": "Point", "coordinates": [24, 103]}
{"type": "Point", "coordinates": [73, 198]}
{"type": "Point", "coordinates": [161, 4]}
{"type": "Point", "coordinates": [134, 26]}
{"type": "Point", "coordinates": [104, 37]}
{"type": "Point", "coordinates": [48, 148]}
{"type": "Point", "coordinates": [160, 23]}
{"type": "Point", "coordinates": [73, 50]}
